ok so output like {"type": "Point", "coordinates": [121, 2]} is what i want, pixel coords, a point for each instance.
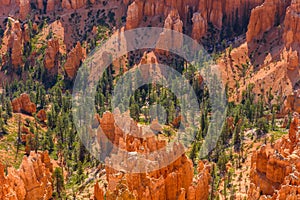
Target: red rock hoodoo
{"type": "Point", "coordinates": [51, 53]}
{"type": "Point", "coordinates": [74, 60]}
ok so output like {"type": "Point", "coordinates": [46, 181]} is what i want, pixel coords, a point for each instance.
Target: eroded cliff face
{"type": "Point", "coordinates": [195, 14]}
{"type": "Point", "coordinates": [175, 181]}
{"type": "Point", "coordinates": [23, 8]}
{"type": "Point", "coordinates": [275, 172]}
{"type": "Point", "coordinates": [291, 34]}
{"type": "Point", "coordinates": [265, 17]}
{"type": "Point", "coordinates": [32, 181]}
{"type": "Point", "coordinates": [273, 13]}
{"type": "Point", "coordinates": [270, 48]}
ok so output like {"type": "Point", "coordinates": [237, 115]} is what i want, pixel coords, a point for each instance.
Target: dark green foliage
{"type": "Point", "coordinates": [262, 126]}
{"type": "Point", "coordinates": [58, 180]}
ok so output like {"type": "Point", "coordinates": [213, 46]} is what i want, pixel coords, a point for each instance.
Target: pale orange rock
{"type": "Point", "coordinates": [50, 6]}
{"type": "Point", "coordinates": [66, 4]}
{"type": "Point", "coordinates": [168, 38]}
{"type": "Point", "coordinates": [26, 34]}
{"type": "Point", "coordinates": [219, 13]}
{"type": "Point", "coordinates": [24, 9]}
{"type": "Point", "coordinates": [23, 104]}
{"type": "Point", "coordinates": [293, 60]}
{"type": "Point", "coordinates": [5, 2]}
{"type": "Point", "coordinates": [133, 16]}
{"type": "Point", "coordinates": [292, 103]}
{"type": "Point", "coordinates": [257, 27]}
{"type": "Point", "coordinates": [40, 4]}
{"type": "Point", "coordinates": [73, 4]}
{"type": "Point", "coordinates": [155, 126]}
{"type": "Point", "coordinates": [98, 192]}
{"type": "Point", "coordinates": [200, 189]}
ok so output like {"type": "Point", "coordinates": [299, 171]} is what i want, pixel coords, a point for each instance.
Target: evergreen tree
{"type": "Point", "coordinates": [58, 182]}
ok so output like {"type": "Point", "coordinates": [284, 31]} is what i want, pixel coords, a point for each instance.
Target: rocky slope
{"type": "Point", "coordinates": [275, 172]}
{"type": "Point", "coordinates": [33, 180]}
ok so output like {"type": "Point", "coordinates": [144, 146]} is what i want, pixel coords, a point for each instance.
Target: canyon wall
{"type": "Point", "coordinates": [264, 17]}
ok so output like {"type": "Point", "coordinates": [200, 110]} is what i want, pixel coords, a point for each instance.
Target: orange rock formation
{"type": "Point", "coordinates": [51, 53]}
{"type": "Point", "coordinates": [74, 59]}
{"type": "Point", "coordinates": [292, 103]}
{"type": "Point", "coordinates": [33, 180]}
{"type": "Point", "coordinates": [175, 181]}
{"type": "Point", "coordinates": [23, 104]}
{"type": "Point", "coordinates": [275, 172]}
